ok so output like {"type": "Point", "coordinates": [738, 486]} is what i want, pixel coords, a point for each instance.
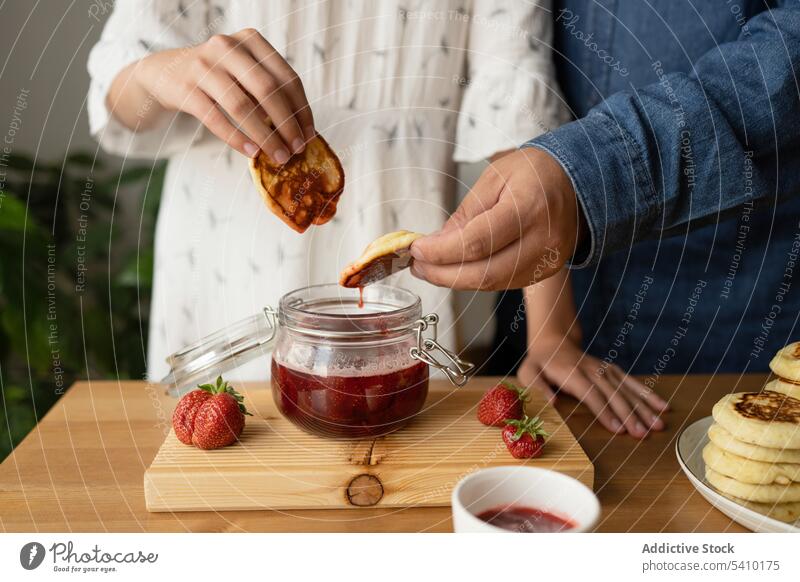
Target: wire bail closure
{"type": "Point", "coordinates": [457, 370]}
{"type": "Point", "coordinates": [271, 315]}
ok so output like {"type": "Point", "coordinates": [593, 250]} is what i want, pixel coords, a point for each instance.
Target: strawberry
{"type": "Point", "coordinates": [506, 400]}
{"type": "Point", "coordinates": [525, 437]}
{"type": "Point", "coordinates": [185, 413]}
{"type": "Point", "coordinates": [210, 417]}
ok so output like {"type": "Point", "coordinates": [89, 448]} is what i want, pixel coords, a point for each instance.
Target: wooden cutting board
{"type": "Point", "coordinates": [277, 466]}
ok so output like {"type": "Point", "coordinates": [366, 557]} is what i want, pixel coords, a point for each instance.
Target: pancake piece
{"type": "Point", "coordinates": [727, 442]}
{"type": "Point", "coordinates": [786, 363]}
{"type": "Point", "coordinates": [382, 257]}
{"type": "Point", "coordinates": [784, 387]}
{"type": "Point", "coordinates": [768, 419]}
{"type": "Point", "coordinates": [751, 492]}
{"type": "Point", "coordinates": [786, 512]}
{"type": "Point", "coordinates": [747, 471]}
{"type": "Point", "coordinates": [304, 190]}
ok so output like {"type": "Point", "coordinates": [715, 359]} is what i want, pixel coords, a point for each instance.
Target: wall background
{"type": "Point", "coordinates": [45, 46]}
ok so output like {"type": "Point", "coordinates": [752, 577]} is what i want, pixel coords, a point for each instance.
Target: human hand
{"type": "Point", "coordinates": [519, 224]}
{"type": "Point", "coordinates": [235, 85]}
{"type": "Point", "coordinates": [620, 402]}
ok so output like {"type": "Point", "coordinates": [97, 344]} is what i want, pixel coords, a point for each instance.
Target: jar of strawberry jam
{"type": "Point", "coordinates": [343, 365]}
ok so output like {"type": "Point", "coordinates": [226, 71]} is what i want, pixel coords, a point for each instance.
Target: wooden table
{"type": "Point", "coordinates": [81, 470]}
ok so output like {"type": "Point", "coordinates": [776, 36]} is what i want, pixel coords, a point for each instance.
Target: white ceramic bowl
{"type": "Point", "coordinates": [543, 489]}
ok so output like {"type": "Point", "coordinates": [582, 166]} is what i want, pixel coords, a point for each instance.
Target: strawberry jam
{"type": "Point", "coordinates": [522, 519]}
{"type": "Point", "coordinates": [358, 406]}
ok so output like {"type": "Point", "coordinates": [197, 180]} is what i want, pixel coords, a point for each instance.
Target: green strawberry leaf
{"type": "Point", "coordinates": [533, 426]}
{"type": "Point", "coordinates": [223, 387]}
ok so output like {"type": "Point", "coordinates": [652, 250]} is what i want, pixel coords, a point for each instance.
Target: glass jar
{"type": "Point", "coordinates": [343, 365]}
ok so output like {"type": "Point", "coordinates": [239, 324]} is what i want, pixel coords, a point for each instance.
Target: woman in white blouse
{"type": "Point", "coordinates": [400, 89]}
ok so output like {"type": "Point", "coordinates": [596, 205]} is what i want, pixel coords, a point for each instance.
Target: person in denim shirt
{"type": "Point", "coordinates": [673, 200]}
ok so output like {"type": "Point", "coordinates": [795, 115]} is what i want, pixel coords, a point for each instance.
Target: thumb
{"type": "Point", "coordinates": [481, 197]}
{"type": "Point", "coordinates": [447, 245]}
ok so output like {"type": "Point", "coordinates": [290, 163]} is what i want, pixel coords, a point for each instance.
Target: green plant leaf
{"type": "Point", "coordinates": [14, 216]}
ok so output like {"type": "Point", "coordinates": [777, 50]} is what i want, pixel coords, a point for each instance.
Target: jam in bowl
{"type": "Point", "coordinates": [344, 364]}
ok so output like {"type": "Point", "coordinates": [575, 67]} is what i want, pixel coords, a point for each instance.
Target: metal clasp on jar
{"type": "Point", "coordinates": [457, 370]}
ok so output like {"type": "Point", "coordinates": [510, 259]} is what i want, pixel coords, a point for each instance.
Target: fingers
{"type": "Point", "coordinates": [486, 234]}
{"type": "Point", "coordinates": [619, 404]}
{"type": "Point", "coordinates": [221, 87]}
{"type": "Point", "coordinates": [447, 246]}
{"type": "Point", "coordinates": [288, 83]}
{"type": "Point", "coordinates": [266, 92]}
{"type": "Point", "coordinates": [574, 382]}
{"type": "Point", "coordinates": [596, 402]}
{"type": "Point", "coordinates": [201, 106]}
{"type": "Point", "coordinates": [648, 416]}
{"type": "Point", "coordinates": [518, 265]}
{"type": "Point", "coordinates": [645, 393]}
{"type": "Point", "coordinates": [248, 80]}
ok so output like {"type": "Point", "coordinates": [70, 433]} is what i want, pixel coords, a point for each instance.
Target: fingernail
{"type": "Point", "coordinates": [250, 149]}
{"type": "Point", "coordinates": [309, 132]}
{"type": "Point", "coordinates": [417, 271]}
{"type": "Point", "coordinates": [417, 253]}
{"type": "Point", "coordinates": [657, 423]}
{"type": "Point", "coordinates": [616, 425]}
{"type": "Point", "coordinates": [280, 156]}
{"type": "Point", "coordinates": [298, 145]}
{"type": "Point", "coordinates": [640, 427]}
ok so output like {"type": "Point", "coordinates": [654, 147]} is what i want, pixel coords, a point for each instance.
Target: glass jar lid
{"type": "Point", "coordinates": [222, 351]}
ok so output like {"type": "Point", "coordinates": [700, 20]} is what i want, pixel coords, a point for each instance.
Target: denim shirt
{"type": "Point", "coordinates": [686, 162]}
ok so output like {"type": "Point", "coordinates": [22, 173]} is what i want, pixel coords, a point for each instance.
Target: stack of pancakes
{"type": "Point", "coordinates": [754, 454]}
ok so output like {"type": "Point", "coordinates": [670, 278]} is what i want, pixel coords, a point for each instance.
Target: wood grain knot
{"type": "Point", "coordinates": [364, 490]}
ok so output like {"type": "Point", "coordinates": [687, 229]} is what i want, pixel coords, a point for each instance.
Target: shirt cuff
{"type": "Point", "coordinates": [611, 180]}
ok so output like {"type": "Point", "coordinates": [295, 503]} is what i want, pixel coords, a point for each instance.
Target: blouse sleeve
{"type": "Point", "coordinates": [511, 92]}
{"type": "Point", "coordinates": [135, 29]}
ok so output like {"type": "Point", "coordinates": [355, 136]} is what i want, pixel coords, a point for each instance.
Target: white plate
{"type": "Point", "coordinates": [689, 449]}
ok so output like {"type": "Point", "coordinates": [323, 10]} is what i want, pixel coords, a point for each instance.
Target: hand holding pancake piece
{"type": "Point", "coordinates": [519, 224]}
{"type": "Point", "coordinates": [230, 83]}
